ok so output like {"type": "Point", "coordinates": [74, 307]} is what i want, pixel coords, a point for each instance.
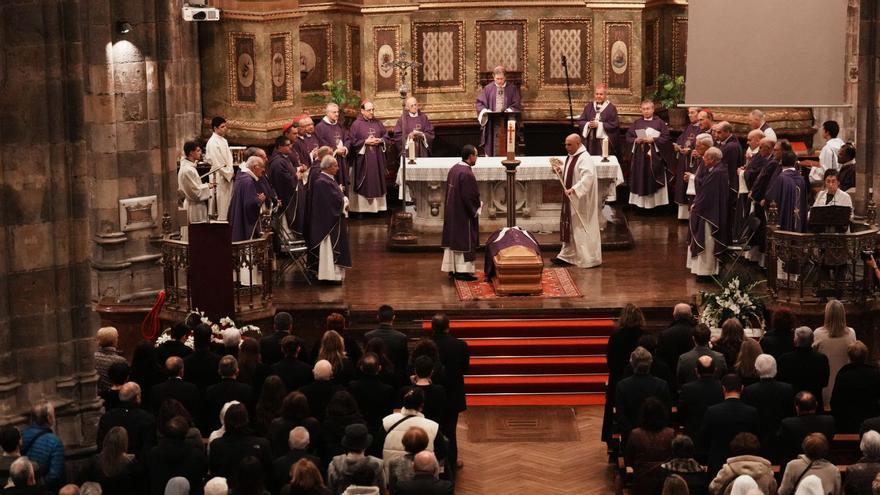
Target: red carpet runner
{"type": "Point", "coordinates": [535, 362]}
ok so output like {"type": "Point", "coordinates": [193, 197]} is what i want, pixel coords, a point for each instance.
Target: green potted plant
{"type": "Point", "coordinates": [669, 94]}
{"type": "Point", "coordinates": [339, 93]}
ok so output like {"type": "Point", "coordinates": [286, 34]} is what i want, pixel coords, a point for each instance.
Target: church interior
{"type": "Point", "coordinates": [613, 261]}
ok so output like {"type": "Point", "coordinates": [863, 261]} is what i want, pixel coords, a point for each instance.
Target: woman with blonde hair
{"type": "Point", "coordinates": [116, 470]}
{"type": "Point", "coordinates": [745, 362]}
{"type": "Point", "coordinates": [833, 339]}
{"type": "Point", "coordinates": [333, 350]}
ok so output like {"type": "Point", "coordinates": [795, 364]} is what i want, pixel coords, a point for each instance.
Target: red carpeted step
{"type": "Point", "coordinates": [529, 328]}
{"type": "Point", "coordinates": [534, 383]}
{"type": "Point", "coordinates": [558, 346]}
{"type": "Point", "coordinates": [536, 400]}
{"type": "Point", "coordinates": [537, 365]}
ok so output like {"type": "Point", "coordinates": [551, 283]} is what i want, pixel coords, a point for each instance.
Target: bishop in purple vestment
{"type": "Point", "coordinates": [282, 177]}
{"type": "Point", "coordinates": [732, 152]}
{"type": "Point", "coordinates": [461, 217]}
{"type": "Point", "coordinates": [330, 132]}
{"type": "Point", "coordinates": [599, 120]}
{"type": "Point", "coordinates": [647, 181]}
{"type": "Point", "coordinates": [368, 145]}
{"type": "Point", "coordinates": [497, 96]}
{"type": "Point", "coordinates": [708, 218]}
{"type": "Point", "coordinates": [327, 232]}
{"type": "Point", "coordinates": [789, 191]}
{"type": "Point", "coordinates": [248, 197]}
{"type": "Point", "coordinates": [414, 124]}
{"type": "Point", "coordinates": [306, 144]}
{"type": "Point", "coordinates": [684, 147]}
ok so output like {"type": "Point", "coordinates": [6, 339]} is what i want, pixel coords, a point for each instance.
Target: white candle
{"type": "Point", "coordinates": [511, 137]}
{"type": "Point", "coordinates": [605, 147]}
{"type": "Point", "coordinates": [411, 145]}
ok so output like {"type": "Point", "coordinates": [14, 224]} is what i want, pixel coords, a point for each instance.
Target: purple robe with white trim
{"type": "Point", "coordinates": [710, 205]}
{"type": "Point", "coordinates": [290, 190]}
{"type": "Point", "coordinates": [369, 167]}
{"type": "Point", "coordinates": [303, 147]}
{"type": "Point", "coordinates": [688, 139]}
{"type": "Point", "coordinates": [648, 169]}
{"type": "Point", "coordinates": [326, 206]}
{"type": "Point", "coordinates": [610, 124]}
{"type": "Point", "coordinates": [486, 101]}
{"type": "Point", "coordinates": [330, 135]}
{"type": "Point", "coordinates": [421, 123]}
{"type": "Point", "coordinates": [244, 208]}
{"type": "Point", "coordinates": [789, 190]}
{"type": "Point", "coordinates": [461, 224]}
{"type": "Point", "coordinates": [732, 155]}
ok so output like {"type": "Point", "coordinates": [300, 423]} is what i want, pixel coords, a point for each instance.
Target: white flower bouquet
{"type": "Point", "coordinates": [736, 298]}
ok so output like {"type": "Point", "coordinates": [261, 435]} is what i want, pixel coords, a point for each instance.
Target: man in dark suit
{"type": "Point", "coordinates": [803, 368]}
{"type": "Point", "coordinates": [375, 398]}
{"type": "Point", "coordinates": [774, 401]}
{"type": "Point", "coordinates": [456, 358]}
{"type": "Point", "coordinates": [687, 362]}
{"type": "Point", "coordinates": [201, 365]}
{"type": "Point", "coordinates": [174, 456]}
{"type": "Point", "coordinates": [425, 479]}
{"type": "Point", "coordinates": [139, 424]}
{"type": "Point", "coordinates": [632, 391]}
{"type": "Point", "coordinates": [175, 388]}
{"type": "Point", "coordinates": [678, 338]}
{"type": "Point", "coordinates": [298, 441]}
{"type": "Point", "coordinates": [792, 431]}
{"type": "Point", "coordinates": [174, 346]}
{"type": "Point", "coordinates": [723, 421]}
{"type": "Point", "coordinates": [227, 390]}
{"type": "Point", "coordinates": [697, 396]}
{"type": "Point", "coordinates": [270, 345]}
{"type": "Point", "coordinates": [291, 369]}
{"type": "Point", "coordinates": [321, 390]}
{"type": "Point", "coordinates": [395, 342]}
{"type": "Point", "coordinates": [856, 393]}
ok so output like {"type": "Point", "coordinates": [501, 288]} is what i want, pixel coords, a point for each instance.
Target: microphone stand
{"type": "Point", "coordinates": [568, 88]}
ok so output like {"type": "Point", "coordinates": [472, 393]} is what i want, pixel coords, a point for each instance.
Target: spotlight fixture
{"type": "Point", "coordinates": [123, 27]}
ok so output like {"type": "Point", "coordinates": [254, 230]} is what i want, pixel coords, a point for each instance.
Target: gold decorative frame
{"type": "Point", "coordinates": [395, 33]}
{"type": "Point", "coordinates": [586, 57]}
{"type": "Point", "coordinates": [651, 64]}
{"type": "Point", "coordinates": [679, 45]}
{"type": "Point", "coordinates": [459, 85]}
{"type": "Point", "coordinates": [287, 40]}
{"type": "Point", "coordinates": [613, 88]}
{"type": "Point", "coordinates": [354, 64]}
{"type": "Point", "coordinates": [520, 25]}
{"type": "Point", "coordinates": [328, 37]}
{"type": "Point", "coordinates": [233, 41]}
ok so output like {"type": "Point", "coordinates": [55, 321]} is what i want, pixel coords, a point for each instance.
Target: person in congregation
{"type": "Point", "coordinates": [856, 394]}
{"type": "Point", "coordinates": [684, 147]}
{"type": "Point", "coordinates": [793, 430]}
{"type": "Point", "coordinates": [828, 154]}
{"type": "Point", "coordinates": [860, 475]}
{"type": "Point", "coordinates": [106, 355]}
{"type": "Point", "coordinates": [306, 144]}
{"type": "Point", "coordinates": [676, 339]}
{"type": "Point", "coordinates": [599, 121]}
{"type": "Point", "coordinates": [832, 340]}
{"type": "Point", "coordinates": [632, 392]}
{"type": "Point", "coordinates": [284, 177]}
{"type": "Point", "coordinates": [832, 195]}
{"type": "Point", "coordinates": [683, 465]}
{"type": "Point", "coordinates": [723, 422]}
{"type": "Point", "coordinates": [708, 219]}
{"type": "Point", "coordinates": [461, 218]}
{"type": "Point", "coordinates": [419, 130]}
{"type": "Point", "coordinates": [330, 132]}
{"type": "Point", "coordinates": [43, 446]}
{"type": "Point", "coordinates": [648, 445]}
{"type": "Point", "coordinates": [217, 153]}
{"type": "Point", "coordinates": [497, 96]}
{"type": "Point", "coordinates": [846, 157]}
{"type": "Point", "coordinates": [425, 479]}
{"type": "Point", "coordinates": [367, 136]}
{"type": "Point", "coordinates": [648, 136]}
{"type": "Point", "coordinates": [698, 395]}
{"type": "Point", "coordinates": [813, 462]}
{"type": "Point", "coordinates": [579, 217]}
{"type": "Point", "coordinates": [774, 401]}
{"type": "Point", "coordinates": [247, 201]}
{"type": "Point", "coordinates": [758, 122]}
{"type": "Point", "coordinates": [327, 235]}
{"type": "Point", "coordinates": [195, 193]}
{"type": "Point", "coordinates": [745, 460]}
{"type": "Point", "coordinates": [789, 192]}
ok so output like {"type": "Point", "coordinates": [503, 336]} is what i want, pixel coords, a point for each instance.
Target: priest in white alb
{"type": "Point", "coordinates": [579, 222]}
{"type": "Point", "coordinates": [219, 156]}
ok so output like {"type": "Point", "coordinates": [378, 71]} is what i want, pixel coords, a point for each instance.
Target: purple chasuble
{"type": "Point", "coordinates": [326, 203]}
{"type": "Point", "coordinates": [610, 123]}
{"type": "Point", "coordinates": [420, 123]}
{"type": "Point", "coordinates": [710, 205]}
{"type": "Point", "coordinates": [461, 225]}
{"type": "Point", "coordinates": [648, 169]}
{"type": "Point", "coordinates": [688, 139]}
{"type": "Point", "coordinates": [329, 135]}
{"type": "Point", "coordinates": [290, 191]}
{"type": "Point", "coordinates": [789, 191]}
{"type": "Point", "coordinates": [512, 237]}
{"type": "Point", "coordinates": [565, 213]}
{"type": "Point", "coordinates": [754, 167]}
{"type": "Point", "coordinates": [732, 155]}
{"type": "Point", "coordinates": [765, 178]}
{"type": "Point", "coordinates": [244, 208]}
{"type": "Point", "coordinates": [486, 100]}
{"type": "Point", "coordinates": [369, 167]}
{"type": "Point", "coordinates": [303, 146]}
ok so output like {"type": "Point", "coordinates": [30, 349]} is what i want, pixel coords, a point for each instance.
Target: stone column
{"type": "Point", "coordinates": [868, 146]}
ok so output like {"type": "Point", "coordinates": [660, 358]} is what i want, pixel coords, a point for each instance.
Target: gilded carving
{"type": "Point", "coordinates": [618, 43]}
{"type": "Point", "coordinates": [571, 38]}
{"type": "Point", "coordinates": [281, 46]}
{"type": "Point", "coordinates": [679, 45]}
{"type": "Point", "coordinates": [503, 43]}
{"type": "Point", "coordinates": [387, 41]}
{"type": "Point", "coordinates": [353, 57]}
{"type": "Point", "coordinates": [315, 56]}
{"type": "Point", "coordinates": [241, 56]}
{"type": "Point", "coordinates": [439, 47]}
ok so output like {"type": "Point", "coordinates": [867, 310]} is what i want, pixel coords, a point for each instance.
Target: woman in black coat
{"type": "Point", "coordinates": [621, 343]}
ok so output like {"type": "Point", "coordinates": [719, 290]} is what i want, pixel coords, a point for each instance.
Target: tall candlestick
{"type": "Point", "coordinates": [511, 139]}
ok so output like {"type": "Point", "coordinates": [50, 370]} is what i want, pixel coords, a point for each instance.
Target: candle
{"type": "Point", "coordinates": [411, 147]}
{"type": "Point", "coordinates": [511, 138]}
{"type": "Point", "coordinates": [605, 147]}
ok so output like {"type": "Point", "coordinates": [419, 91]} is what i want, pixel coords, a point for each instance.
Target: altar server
{"type": "Point", "coordinates": [196, 193]}
{"type": "Point", "coordinates": [217, 153]}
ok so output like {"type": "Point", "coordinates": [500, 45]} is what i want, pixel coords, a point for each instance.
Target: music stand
{"type": "Point", "coordinates": [829, 219]}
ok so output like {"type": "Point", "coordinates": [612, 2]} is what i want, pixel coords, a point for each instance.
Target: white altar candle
{"type": "Point", "coordinates": [511, 138]}
{"type": "Point", "coordinates": [605, 147]}
{"type": "Point", "coordinates": [411, 146]}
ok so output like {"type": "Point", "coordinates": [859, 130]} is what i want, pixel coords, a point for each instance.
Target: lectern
{"type": "Point", "coordinates": [497, 122]}
{"type": "Point", "coordinates": [210, 269]}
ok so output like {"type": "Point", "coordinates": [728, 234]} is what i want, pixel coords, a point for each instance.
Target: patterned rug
{"type": "Point", "coordinates": [521, 424]}
{"type": "Point", "coordinates": [556, 282]}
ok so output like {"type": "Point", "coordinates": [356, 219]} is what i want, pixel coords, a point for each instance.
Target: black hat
{"type": "Point", "coordinates": [356, 437]}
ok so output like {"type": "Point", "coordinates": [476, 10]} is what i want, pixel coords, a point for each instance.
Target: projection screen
{"type": "Point", "coordinates": [770, 53]}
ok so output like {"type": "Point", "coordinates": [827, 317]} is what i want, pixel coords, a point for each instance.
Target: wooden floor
{"type": "Point", "coordinates": [653, 274]}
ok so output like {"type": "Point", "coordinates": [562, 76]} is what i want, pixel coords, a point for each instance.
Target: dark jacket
{"type": "Point", "coordinates": [860, 476]}
{"type": "Point", "coordinates": [687, 364]}
{"type": "Point", "coordinates": [630, 394]}
{"type": "Point", "coordinates": [793, 430]}
{"type": "Point", "coordinates": [139, 424]}
{"type": "Point", "coordinates": [175, 388]}
{"type": "Point", "coordinates": [855, 396]}
{"type": "Point", "coordinates": [270, 347]}
{"type": "Point", "coordinates": [173, 457]}
{"type": "Point", "coordinates": [293, 372]}
{"type": "Point", "coordinates": [455, 356]}
{"type": "Point", "coordinates": [319, 393]}
{"type": "Point", "coordinates": [200, 368]}
{"type": "Point", "coordinates": [228, 451]}
{"type": "Point", "coordinates": [375, 400]}
{"type": "Point", "coordinates": [218, 395]}
{"type": "Point", "coordinates": [424, 484]}
{"type": "Point", "coordinates": [171, 348]}
{"type": "Point", "coordinates": [675, 341]}
{"type": "Point", "coordinates": [395, 345]}
{"type": "Point", "coordinates": [130, 480]}
{"type": "Point", "coordinates": [279, 434]}
{"type": "Point", "coordinates": [720, 424]}
{"type": "Point", "coordinates": [774, 401]}
{"type": "Point", "coordinates": [694, 399]}
{"type": "Point", "coordinates": [281, 466]}
{"type": "Point", "coordinates": [804, 369]}
{"type": "Point", "coordinates": [777, 344]}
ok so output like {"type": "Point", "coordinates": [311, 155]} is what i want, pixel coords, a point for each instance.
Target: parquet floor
{"type": "Point", "coordinates": [578, 466]}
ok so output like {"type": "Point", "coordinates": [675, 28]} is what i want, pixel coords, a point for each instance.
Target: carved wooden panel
{"type": "Point", "coordinates": [281, 59]}
{"type": "Point", "coordinates": [242, 69]}
{"type": "Point", "coordinates": [651, 52]}
{"type": "Point", "coordinates": [618, 43]}
{"type": "Point", "coordinates": [679, 46]}
{"type": "Point", "coordinates": [571, 38]}
{"type": "Point", "coordinates": [503, 43]}
{"type": "Point", "coordinates": [353, 57]}
{"type": "Point", "coordinates": [315, 56]}
{"type": "Point", "coordinates": [439, 47]}
{"type": "Point", "coordinates": [387, 41]}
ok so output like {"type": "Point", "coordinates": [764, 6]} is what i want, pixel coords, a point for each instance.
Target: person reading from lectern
{"type": "Point", "coordinates": [461, 218]}
{"type": "Point", "coordinates": [708, 218]}
{"type": "Point", "coordinates": [330, 132]}
{"type": "Point", "coordinates": [247, 200]}
{"type": "Point", "coordinates": [598, 121]}
{"type": "Point", "coordinates": [327, 236]}
{"type": "Point", "coordinates": [368, 142]}
{"type": "Point", "coordinates": [189, 184]}
{"type": "Point", "coordinates": [497, 96]}
{"type": "Point", "coordinates": [217, 153]}
{"type": "Point", "coordinates": [419, 130]}
{"type": "Point", "coordinates": [648, 173]}
{"type": "Point", "coordinates": [832, 195]}
{"type": "Point", "coordinates": [579, 219]}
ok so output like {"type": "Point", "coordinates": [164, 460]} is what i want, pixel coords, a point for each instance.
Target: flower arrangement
{"type": "Point", "coordinates": [735, 299]}
{"type": "Point", "coordinates": [225, 325]}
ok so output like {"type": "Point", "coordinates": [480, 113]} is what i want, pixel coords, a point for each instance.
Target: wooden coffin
{"type": "Point", "coordinates": [518, 270]}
